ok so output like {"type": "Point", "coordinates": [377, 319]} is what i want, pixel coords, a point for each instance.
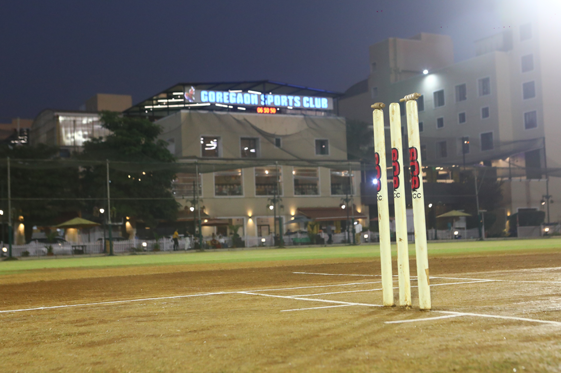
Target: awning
{"type": "Point", "coordinates": [215, 222]}
{"type": "Point", "coordinates": [329, 213]}
{"type": "Point", "coordinates": [188, 215]}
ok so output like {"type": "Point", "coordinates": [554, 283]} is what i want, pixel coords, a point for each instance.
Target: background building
{"type": "Point", "coordinates": [497, 109]}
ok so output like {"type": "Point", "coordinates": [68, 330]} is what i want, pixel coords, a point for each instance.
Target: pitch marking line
{"type": "Point", "coordinates": [296, 297]}
{"type": "Point", "coordinates": [425, 319]}
{"type": "Point", "coordinates": [557, 323]}
{"type": "Point", "coordinates": [318, 308]}
{"type": "Point", "coordinates": [333, 274]}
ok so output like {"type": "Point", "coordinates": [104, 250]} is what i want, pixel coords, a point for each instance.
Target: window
{"type": "Point", "coordinates": [421, 103]}
{"type": "Point", "coordinates": [184, 185]}
{"type": "Point", "coordinates": [485, 112]}
{"type": "Point", "coordinates": [527, 63]}
{"type": "Point", "coordinates": [420, 126]}
{"type": "Point", "coordinates": [484, 86]}
{"type": "Point", "coordinates": [440, 123]}
{"type": "Point", "coordinates": [322, 147]}
{"type": "Point", "coordinates": [278, 142]}
{"type": "Point", "coordinates": [464, 145]}
{"type": "Point", "coordinates": [462, 118]}
{"type": "Point", "coordinates": [306, 181]}
{"type": "Point", "coordinates": [340, 183]}
{"type": "Point", "coordinates": [461, 92]}
{"type": "Point", "coordinates": [266, 181]}
{"type": "Point", "coordinates": [374, 92]}
{"type": "Point", "coordinates": [526, 32]}
{"type": "Point", "coordinates": [373, 67]}
{"type": "Point", "coordinates": [249, 147]}
{"type": "Point", "coordinates": [439, 98]}
{"type": "Point", "coordinates": [228, 183]}
{"type": "Point", "coordinates": [423, 152]}
{"type": "Point", "coordinates": [210, 146]}
{"type": "Point", "coordinates": [530, 120]}
{"type": "Point", "coordinates": [441, 149]}
{"type": "Point", "coordinates": [487, 141]}
{"type": "Point", "coordinates": [528, 90]}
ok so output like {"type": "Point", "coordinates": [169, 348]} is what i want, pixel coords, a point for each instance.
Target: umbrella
{"type": "Point", "coordinates": [78, 223]}
{"type": "Point", "coordinates": [298, 219]}
{"type": "Point", "coordinates": [453, 214]}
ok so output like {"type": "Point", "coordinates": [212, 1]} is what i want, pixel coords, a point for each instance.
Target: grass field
{"type": "Point", "coordinates": [496, 308]}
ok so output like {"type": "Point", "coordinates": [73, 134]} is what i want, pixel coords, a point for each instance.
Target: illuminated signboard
{"type": "Point", "coordinates": [266, 110]}
{"type": "Point", "coordinates": [253, 98]}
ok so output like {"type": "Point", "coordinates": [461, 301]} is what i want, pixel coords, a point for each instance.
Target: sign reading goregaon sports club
{"type": "Point", "coordinates": [253, 98]}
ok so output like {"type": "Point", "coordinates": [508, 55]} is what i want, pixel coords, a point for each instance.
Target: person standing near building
{"type": "Point", "coordinates": [175, 241]}
{"type": "Point", "coordinates": [358, 230]}
{"type": "Point", "coordinates": [329, 233]}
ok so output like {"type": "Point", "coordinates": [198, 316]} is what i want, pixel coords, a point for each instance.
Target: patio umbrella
{"type": "Point", "coordinates": [453, 214]}
{"type": "Point", "coordinates": [77, 223]}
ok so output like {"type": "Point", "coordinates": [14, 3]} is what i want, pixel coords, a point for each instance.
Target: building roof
{"type": "Point", "coordinates": [159, 109]}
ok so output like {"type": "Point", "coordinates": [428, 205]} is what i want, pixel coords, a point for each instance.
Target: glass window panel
{"type": "Point", "coordinates": [462, 118]}
{"type": "Point", "coordinates": [228, 183]}
{"type": "Point", "coordinates": [530, 120]}
{"type": "Point", "coordinates": [485, 112]}
{"type": "Point", "coordinates": [529, 90]}
{"type": "Point", "coordinates": [340, 183]}
{"type": "Point", "coordinates": [322, 147]}
{"type": "Point", "coordinates": [487, 141]}
{"type": "Point", "coordinates": [249, 147]}
{"type": "Point", "coordinates": [439, 98]}
{"type": "Point", "coordinates": [210, 146]}
{"type": "Point", "coordinates": [484, 86]}
{"type": "Point", "coordinates": [440, 123]}
{"type": "Point", "coordinates": [266, 181]}
{"type": "Point", "coordinates": [306, 181]}
{"type": "Point", "coordinates": [461, 93]}
{"type": "Point", "coordinates": [527, 63]}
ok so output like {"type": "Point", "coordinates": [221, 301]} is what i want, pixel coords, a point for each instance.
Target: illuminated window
{"type": "Point", "coordinates": [527, 63]}
{"type": "Point", "coordinates": [340, 183]}
{"type": "Point", "coordinates": [485, 112]}
{"type": "Point", "coordinates": [322, 147]}
{"type": "Point", "coordinates": [484, 86]}
{"type": "Point", "coordinates": [441, 149]}
{"type": "Point", "coordinates": [210, 146]}
{"type": "Point", "coordinates": [249, 147]}
{"type": "Point", "coordinates": [462, 118]}
{"type": "Point", "coordinates": [526, 32]}
{"type": "Point", "coordinates": [185, 185]}
{"type": "Point", "coordinates": [266, 181]}
{"type": "Point", "coordinates": [306, 181]}
{"type": "Point", "coordinates": [528, 90]}
{"type": "Point", "coordinates": [461, 93]}
{"type": "Point", "coordinates": [439, 98]}
{"type": "Point", "coordinates": [530, 120]}
{"type": "Point", "coordinates": [440, 123]}
{"type": "Point", "coordinates": [487, 141]}
{"type": "Point", "coordinates": [228, 183]}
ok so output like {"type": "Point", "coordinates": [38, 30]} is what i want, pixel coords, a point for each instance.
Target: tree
{"type": "Point", "coordinates": [140, 180]}
{"type": "Point", "coordinates": [42, 188]}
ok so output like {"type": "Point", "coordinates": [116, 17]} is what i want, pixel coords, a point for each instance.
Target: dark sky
{"type": "Point", "coordinates": [57, 54]}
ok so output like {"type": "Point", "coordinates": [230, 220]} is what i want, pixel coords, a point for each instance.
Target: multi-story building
{"type": "Point", "coordinates": [496, 109]}
{"type": "Point", "coordinates": [255, 141]}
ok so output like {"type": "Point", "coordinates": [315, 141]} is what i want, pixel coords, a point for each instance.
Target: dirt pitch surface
{"type": "Point", "coordinates": [498, 313]}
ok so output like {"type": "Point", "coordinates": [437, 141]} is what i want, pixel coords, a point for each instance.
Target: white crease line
{"type": "Point", "coordinates": [458, 283]}
{"type": "Point", "coordinates": [312, 300]}
{"type": "Point", "coordinates": [514, 270]}
{"type": "Point", "coordinates": [115, 302]}
{"type": "Point", "coordinates": [501, 317]}
{"type": "Point", "coordinates": [425, 319]}
{"type": "Point", "coordinates": [322, 286]}
{"type": "Point", "coordinates": [333, 274]}
{"type": "Point", "coordinates": [481, 279]}
{"type": "Point", "coordinates": [462, 278]}
{"type": "Point", "coordinates": [339, 292]}
{"type": "Point", "coordinates": [319, 308]}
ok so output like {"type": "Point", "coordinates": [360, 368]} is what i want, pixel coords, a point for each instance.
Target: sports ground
{"type": "Point", "coordinates": [496, 308]}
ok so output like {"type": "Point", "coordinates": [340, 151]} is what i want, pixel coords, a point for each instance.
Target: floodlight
{"type": "Point", "coordinates": [102, 210]}
{"type": "Point", "coordinates": [425, 72]}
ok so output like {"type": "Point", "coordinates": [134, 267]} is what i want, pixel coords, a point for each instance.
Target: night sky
{"type": "Point", "coordinates": [57, 54]}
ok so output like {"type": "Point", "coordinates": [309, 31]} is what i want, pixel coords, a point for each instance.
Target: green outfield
{"type": "Point", "coordinates": [293, 253]}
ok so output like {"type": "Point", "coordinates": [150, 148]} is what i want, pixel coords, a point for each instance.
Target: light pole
{"type": "Point", "coordinates": [345, 201]}
{"type": "Point", "coordinates": [275, 204]}
{"type": "Point", "coordinates": [102, 211]}
{"type": "Point", "coordinates": [465, 149]}
{"type": "Point", "coordinates": [2, 217]}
